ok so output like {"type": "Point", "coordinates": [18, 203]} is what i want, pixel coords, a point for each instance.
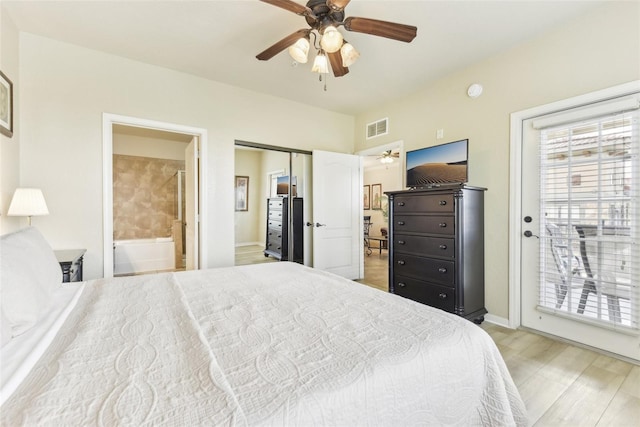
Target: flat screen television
{"type": "Point", "coordinates": [282, 187]}
{"type": "Point", "coordinates": [443, 164]}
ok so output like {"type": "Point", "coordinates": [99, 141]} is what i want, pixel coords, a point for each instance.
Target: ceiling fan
{"type": "Point", "coordinates": [324, 17]}
{"type": "Point", "coordinates": [387, 156]}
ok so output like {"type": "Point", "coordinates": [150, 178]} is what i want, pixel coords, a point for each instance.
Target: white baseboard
{"type": "Point", "coordinates": [497, 320]}
{"type": "Point", "coordinates": [248, 244]}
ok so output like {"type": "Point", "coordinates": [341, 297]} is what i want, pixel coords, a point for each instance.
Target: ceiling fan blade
{"type": "Point", "coordinates": [337, 5]}
{"type": "Point", "coordinates": [390, 30]}
{"type": "Point", "coordinates": [291, 6]}
{"type": "Point", "coordinates": [272, 51]}
{"type": "Point", "coordinates": [335, 59]}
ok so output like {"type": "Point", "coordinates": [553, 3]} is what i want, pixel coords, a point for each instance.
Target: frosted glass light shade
{"type": "Point", "coordinates": [299, 51]}
{"type": "Point", "coordinates": [331, 40]}
{"type": "Point", "coordinates": [320, 64]}
{"type": "Point", "coordinates": [349, 54]}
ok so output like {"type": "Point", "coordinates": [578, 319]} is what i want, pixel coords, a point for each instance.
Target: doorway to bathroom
{"type": "Point", "coordinates": [153, 196]}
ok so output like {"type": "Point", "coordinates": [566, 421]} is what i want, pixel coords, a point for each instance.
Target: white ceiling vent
{"type": "Point", "coordinates": [381, 127]}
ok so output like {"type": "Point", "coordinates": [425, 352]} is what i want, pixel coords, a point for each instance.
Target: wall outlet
{"type": "Point", "coordinates": [440, 134]}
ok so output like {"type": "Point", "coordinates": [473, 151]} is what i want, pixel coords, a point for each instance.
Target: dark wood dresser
{"type": "Point", "coordinates": [71, 261]}
{"type": "Point", "coordinates": [277, 239]}
{"type": "Point", "coordinates": [436, 248]}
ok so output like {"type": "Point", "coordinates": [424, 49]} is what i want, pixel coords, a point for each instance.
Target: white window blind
{"type": "Point", "coordinates": [590, 210]}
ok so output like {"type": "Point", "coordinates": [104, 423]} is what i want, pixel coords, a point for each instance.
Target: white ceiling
{"type": "Point", "coordinates": [218, 40]}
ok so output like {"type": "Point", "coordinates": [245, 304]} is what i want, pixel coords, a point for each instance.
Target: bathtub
{"type": "Point", "coordinates": [143, 255]}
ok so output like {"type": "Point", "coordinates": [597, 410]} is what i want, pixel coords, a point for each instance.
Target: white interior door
{"type": "Point", "coordinates": [337, 210]}
{"type": "Point", "coordinates": [568, 185]}
{"type": "Point", "coordinates": [191, 205]}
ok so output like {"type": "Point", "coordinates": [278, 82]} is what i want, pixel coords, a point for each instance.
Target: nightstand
{"type": "Point", "coordinates": [71, 264]}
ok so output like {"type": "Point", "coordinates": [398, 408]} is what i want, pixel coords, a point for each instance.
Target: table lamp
{"type": "Point", "coordinates": [28, 202]}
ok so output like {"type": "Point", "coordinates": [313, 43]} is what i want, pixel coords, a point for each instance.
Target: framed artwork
{"type": "Point", "coordinates": [6, 106]}
{"type": "Point", "coordinates": [367, 197]}
{"type": "Point", "coordinates": [242, 193]}
{"type": "Point", "coordinates": [376, 196]}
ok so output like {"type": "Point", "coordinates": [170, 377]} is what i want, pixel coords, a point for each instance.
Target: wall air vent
{"type": "Point", "coordinates": [380, 127]}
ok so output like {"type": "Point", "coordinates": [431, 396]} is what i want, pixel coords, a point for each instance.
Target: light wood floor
{"type": "Point", "coordinates": [561, 384]}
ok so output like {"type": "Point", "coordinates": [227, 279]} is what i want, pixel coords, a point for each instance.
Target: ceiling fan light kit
{"type": "Point", "coordinates": [331, 40]}
{"type": "Point", "coordinates": [349, 54]}
{"type": "Point", "coordinates": [320, 65]}
{"type": "Point", "coordinates": [324, 17]}
{"type": "Point", "coordinates": [299, 51]}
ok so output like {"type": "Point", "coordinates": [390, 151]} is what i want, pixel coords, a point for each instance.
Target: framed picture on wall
{"type": "Point", "coordinates": [376, 196]}
{"type": "Point", "coordinates": [242, 193]}
{"type": "Point", "coordinates": [366, 197]}
{"type": "Point", "coordinates": [6, 106]}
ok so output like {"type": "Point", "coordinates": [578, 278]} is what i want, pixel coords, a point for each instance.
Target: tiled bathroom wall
{"type": "Point", "coordinates": [144, 196]}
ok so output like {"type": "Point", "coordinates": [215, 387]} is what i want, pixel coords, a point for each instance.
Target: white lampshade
{"type": "Point", "coordinates": [349, 54]}
{"type": "Point", "coordinates": [299, 51]}
{"type": "Point", "coordinates": [320, 64]}
{"type": "Point", "coordinates": [331, 40]}
{"type": "Point", "coordinates": [28, 202]}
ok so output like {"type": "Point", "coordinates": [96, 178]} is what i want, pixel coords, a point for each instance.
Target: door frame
{"type": "Point", "coordinates": [108, 120]}
{"type": "Point", "coordinates": [515, 182]}
{"type": "Point", "coordinates": [399, 145]}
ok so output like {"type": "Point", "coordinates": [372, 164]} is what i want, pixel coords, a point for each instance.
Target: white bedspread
{"type": "Point", "coordinates": [271, 344]}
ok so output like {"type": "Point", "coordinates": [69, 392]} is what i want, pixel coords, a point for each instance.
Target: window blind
{"type": "Point", "coordinates": [590, 210]}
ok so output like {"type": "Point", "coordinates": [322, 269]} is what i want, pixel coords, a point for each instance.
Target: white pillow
{"type": "Point", "coordinates": [29, 272]}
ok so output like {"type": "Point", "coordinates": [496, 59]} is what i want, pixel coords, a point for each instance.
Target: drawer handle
{"type": "Point", "coordinates": [401, 284]}
{"type": "Point", "coordinates": [401, 242]}
{"type": "Point", "coordinates": [442, 270]}
{"type": "Point", "coordinates": [442, 295]}
{"type": "Point", "coordinates": [400, 203]}
{"type": "Point", "coordinates": [401, 262]}
{"type": "Point", "coordinates": [443, 225]}
{"type": "Point", "coordinates": [400, 222]}
{"type": "Point", "coordinates": [443, 247]}
{"type": "Point", "coordinates": [443, 202]}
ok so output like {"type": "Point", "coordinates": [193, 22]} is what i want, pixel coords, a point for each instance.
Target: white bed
{"type": "Point", "coordinates": [270, 344]}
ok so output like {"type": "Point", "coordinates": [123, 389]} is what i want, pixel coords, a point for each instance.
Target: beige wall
{"type": "Point", "coordinates": [65, 89]}
{"type": "Point", "coordinates": [390, 179]}
{"type": "Point", "coordinates": [10, 147]}
{"type": "Point", "coordinates": [144, 146]}
{"type": "Point", "coordinates": [247, 223]}
{"type": "Point", "coordinates": [596, 51]}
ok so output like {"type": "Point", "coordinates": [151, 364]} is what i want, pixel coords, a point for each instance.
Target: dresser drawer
{"type": "Point", "coordinates": [277, 215]}
{"type": "Point", "coordinates": [275, 204]}
{"type": "Point", "coordinates": [430, 269]}
{"type": "Point", "coordinates": [441, 297]}
{"type": "Point", "coordinates": [440, 224]}
{"type": "Point", "coordinates": [426, 246]}
{"type": "Point", "coordinates": [276, 224]}
{"type": "Point", "coordinates": [424, 203]}
{"type": "Point", "coordinates": [274, 234]}
{"type": "Point", "coordinates": [274, 246]}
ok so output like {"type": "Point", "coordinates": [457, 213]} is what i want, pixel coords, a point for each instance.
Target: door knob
{"type": "Point", "coordinates": [320, 225]}
{"type": "Point", "coordinates": [309, 224]}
